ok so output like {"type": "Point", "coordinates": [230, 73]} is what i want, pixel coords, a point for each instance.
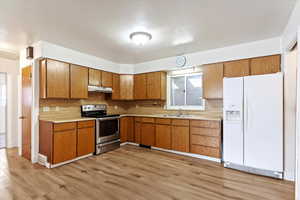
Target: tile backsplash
{"type": "Point", "coordinates": [66, 108]}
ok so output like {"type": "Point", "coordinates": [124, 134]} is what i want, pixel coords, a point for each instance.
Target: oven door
{"type": "Point", "coordinates": [107, 129]}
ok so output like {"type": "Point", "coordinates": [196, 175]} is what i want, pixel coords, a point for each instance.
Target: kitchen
{"type": "Point", "coordinates": [212, 123]}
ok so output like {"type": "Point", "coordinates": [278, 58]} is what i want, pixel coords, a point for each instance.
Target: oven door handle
{"type": "Point", "coordinates": [108, 118]}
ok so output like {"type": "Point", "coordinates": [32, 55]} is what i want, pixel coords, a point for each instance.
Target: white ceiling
{"type": "Point", "coordinates": [102, 27]}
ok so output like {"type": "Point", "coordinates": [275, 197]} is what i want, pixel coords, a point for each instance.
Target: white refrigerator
{"type": "Point", "coordinates": [253, 124]}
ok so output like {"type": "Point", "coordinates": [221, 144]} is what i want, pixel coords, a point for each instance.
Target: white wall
{"type": "Point", "coordinates": [241, 51]}
{"type": "Point", "coordinates": [288, 39]}
{"type": "Point", "coordinates": [289, 35]}
{"type": "Point", "coordinates": [290, 97]}
{"type": "Point", "coordinates": [11, 67]}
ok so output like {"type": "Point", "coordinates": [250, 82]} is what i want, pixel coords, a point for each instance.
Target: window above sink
{"type": "Point", "coordinates": [185, 91]}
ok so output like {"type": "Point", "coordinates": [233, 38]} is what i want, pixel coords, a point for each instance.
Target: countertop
{"type": "Point", "coordinates": [197, 117]}
{"type": "Point", "coordinates": [75, 119]}
{"type": "Point", "coordinates": [65, 120]}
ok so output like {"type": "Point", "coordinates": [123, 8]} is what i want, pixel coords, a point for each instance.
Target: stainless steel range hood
{"type": "Point", "coordinates": [92, 88]}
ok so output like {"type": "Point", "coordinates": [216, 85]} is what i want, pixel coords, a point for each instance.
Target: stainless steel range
{"type": "Point", "coordinates": [107, 127]}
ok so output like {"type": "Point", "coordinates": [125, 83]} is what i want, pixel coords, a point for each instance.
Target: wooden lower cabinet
{"type": "Point", "coordinates": [148, 134]}
{"type": "Point", "coordinates": [192, 136]}
{"type": "Point", "coordinates": [137, 132]}
{"type": "Point", "coordinates": [163, 136]}
{"type": "Point", "coordinates": [64, 146]}
{"type": "Point", "coordinates": [127, 129]}
{"type": "Point", "coordinates": [205, 137]}
{"type": "Point", "coordinates": [85, 138]}
{"type": "Point", "coordinates": [181, 138]}
{"type": "Point", "coordinates": [61, 142]}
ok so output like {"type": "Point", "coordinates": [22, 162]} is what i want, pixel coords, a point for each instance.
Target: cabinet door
{"type": "Point", "coordinates": [213, 81]}
{"type": "Point", "coordinates": [106, 79]}
{"type": "Point", "coordinates": [265, 65]}
{"type": "Point", "coordinates": [137, 132]}
{"type": "Point", "coordinates": [116, 87]}
{"type": "Point", "coordinates": [180, 138]}
{"type": "Point", "coordinates": [156, 85]}
{"type": "Point", "coordinates": [126, 87]}
{"type": "Point", "coordinates": [140, 86]}
{"type": "Point", "coordinates": [127, 129]}
{"type": "Point", "coordinates": [58, 79]}
{"type": "Point", "coordinates": [64, 146]}
{"type": "Point", "coordinates": [94, 77]}
{"type": "Point", "coordinates": [148, 134]}
{"type": "Point", "coordinates": [79, 82]}
{"type": "Point", "coordinates": [238, 68]}
{"type": "Point", "coordinates": [130, 129]}
{"type": "Point", "coordinates": [163, 136]}
{"type": "Point", "coordinates": [85, 141]}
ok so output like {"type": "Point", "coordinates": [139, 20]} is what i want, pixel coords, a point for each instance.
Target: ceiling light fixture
{"type": "Point", "coordinates": [140, 38]}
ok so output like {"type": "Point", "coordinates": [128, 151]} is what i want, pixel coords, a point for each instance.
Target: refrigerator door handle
{"type": "Point", "coordinates": [246, 113]}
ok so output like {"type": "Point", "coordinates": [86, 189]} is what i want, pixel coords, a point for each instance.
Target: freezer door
{"type": "Point", "coordinates": [263, 128]}
{"type": "Point", "coordinates": [233, 120]}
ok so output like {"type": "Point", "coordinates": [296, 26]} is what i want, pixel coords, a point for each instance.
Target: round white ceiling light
{"type": "Point", "coordinates": [140, 38]}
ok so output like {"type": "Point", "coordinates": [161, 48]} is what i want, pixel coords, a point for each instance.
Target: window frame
{"type": "Point", "coordinates": [184, 107]}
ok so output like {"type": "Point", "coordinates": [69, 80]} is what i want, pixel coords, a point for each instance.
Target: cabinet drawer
{"type": "Point", "coordinates": [205, 141]}
{"type": "Point", "coordinates": [64, 126]}
{"type": "Point", "coordinates": [205, 123]}
{"type": "Point", "coordinates": [205, 131]}
{"type": "Point", "coordinates": [138, 119]}
{"type": "Point", "coordinates": [180, 122]}
{"type": "Point", "coordinates": [86, 124]}
{"type": "Point", "coordinates": [205, 151]}
{"type": "Point", "coordinates": [148, 120]}
{"type": "Point", "coordinates": [163, 121]}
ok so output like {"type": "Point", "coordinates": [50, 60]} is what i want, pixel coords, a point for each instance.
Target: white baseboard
{"type": "Point", "coordinates": [289, 176]}
{"type": "Point", "coordinates": [179, 153]}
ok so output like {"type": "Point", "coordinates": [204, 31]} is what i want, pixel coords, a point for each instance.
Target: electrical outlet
{"type": "Point", "coordinates": [57, 108]}
{"type": "Point", "coordinates": [115, 107]}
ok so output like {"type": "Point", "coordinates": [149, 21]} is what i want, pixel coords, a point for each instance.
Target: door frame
{"type": "Point", "coordinates": [6, 108]}
{"type": "Point", "coordinates": [297, 174]}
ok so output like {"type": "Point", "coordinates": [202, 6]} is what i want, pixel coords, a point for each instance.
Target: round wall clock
{"type": "Point", "coordinates": [180, 61]}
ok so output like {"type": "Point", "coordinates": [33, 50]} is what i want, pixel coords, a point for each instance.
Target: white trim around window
{"type": "Point", "coordinates": [183, 107]}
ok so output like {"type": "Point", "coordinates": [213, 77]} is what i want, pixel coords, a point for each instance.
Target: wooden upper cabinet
{"type": "Point", "coordinates": [126, 87]}
{"type": "Point", "coordinates": [213, 81]}
{"type": "Point", "coordinates": [265, 65]}
{"type": "Point", "coordinates": [54, 79]}
{"type": "Point", "coordinates": [140, 86]}
{"type": "Point", "coordinates": [94, 77]}
{"type": "Point", "coordinates": [79, 82]}
{"type": "Point", "coordinates": [156, 85]}
{"type": "Point", "coordinates": [116, 87]}
{"type": "Point", "coordinates": [238, 68]}
{"type": "Point", "coordinates": [107, 79]}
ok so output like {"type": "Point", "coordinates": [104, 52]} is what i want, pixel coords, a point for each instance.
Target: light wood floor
{"type": "Point", "coordinates": [134, 173]}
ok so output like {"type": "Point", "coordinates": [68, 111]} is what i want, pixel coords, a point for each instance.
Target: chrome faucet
{"type": "Point", "coordinates": [180, 113]}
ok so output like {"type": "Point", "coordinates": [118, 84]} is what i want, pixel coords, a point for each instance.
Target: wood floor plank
{"type": "Point", "coordinates": [134, 173]}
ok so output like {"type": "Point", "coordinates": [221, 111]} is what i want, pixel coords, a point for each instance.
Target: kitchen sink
{"type": "Point", "coordinates": [177, 115]}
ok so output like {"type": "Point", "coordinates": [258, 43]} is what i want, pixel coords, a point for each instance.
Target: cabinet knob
{"type": "Point", "coordinates": [22, 117]}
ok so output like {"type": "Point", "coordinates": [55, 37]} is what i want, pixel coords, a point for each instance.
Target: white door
{"type": "Point", "coordinates": [263, 116]}
{"type": "Point", "coordinates": [233, 121]}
